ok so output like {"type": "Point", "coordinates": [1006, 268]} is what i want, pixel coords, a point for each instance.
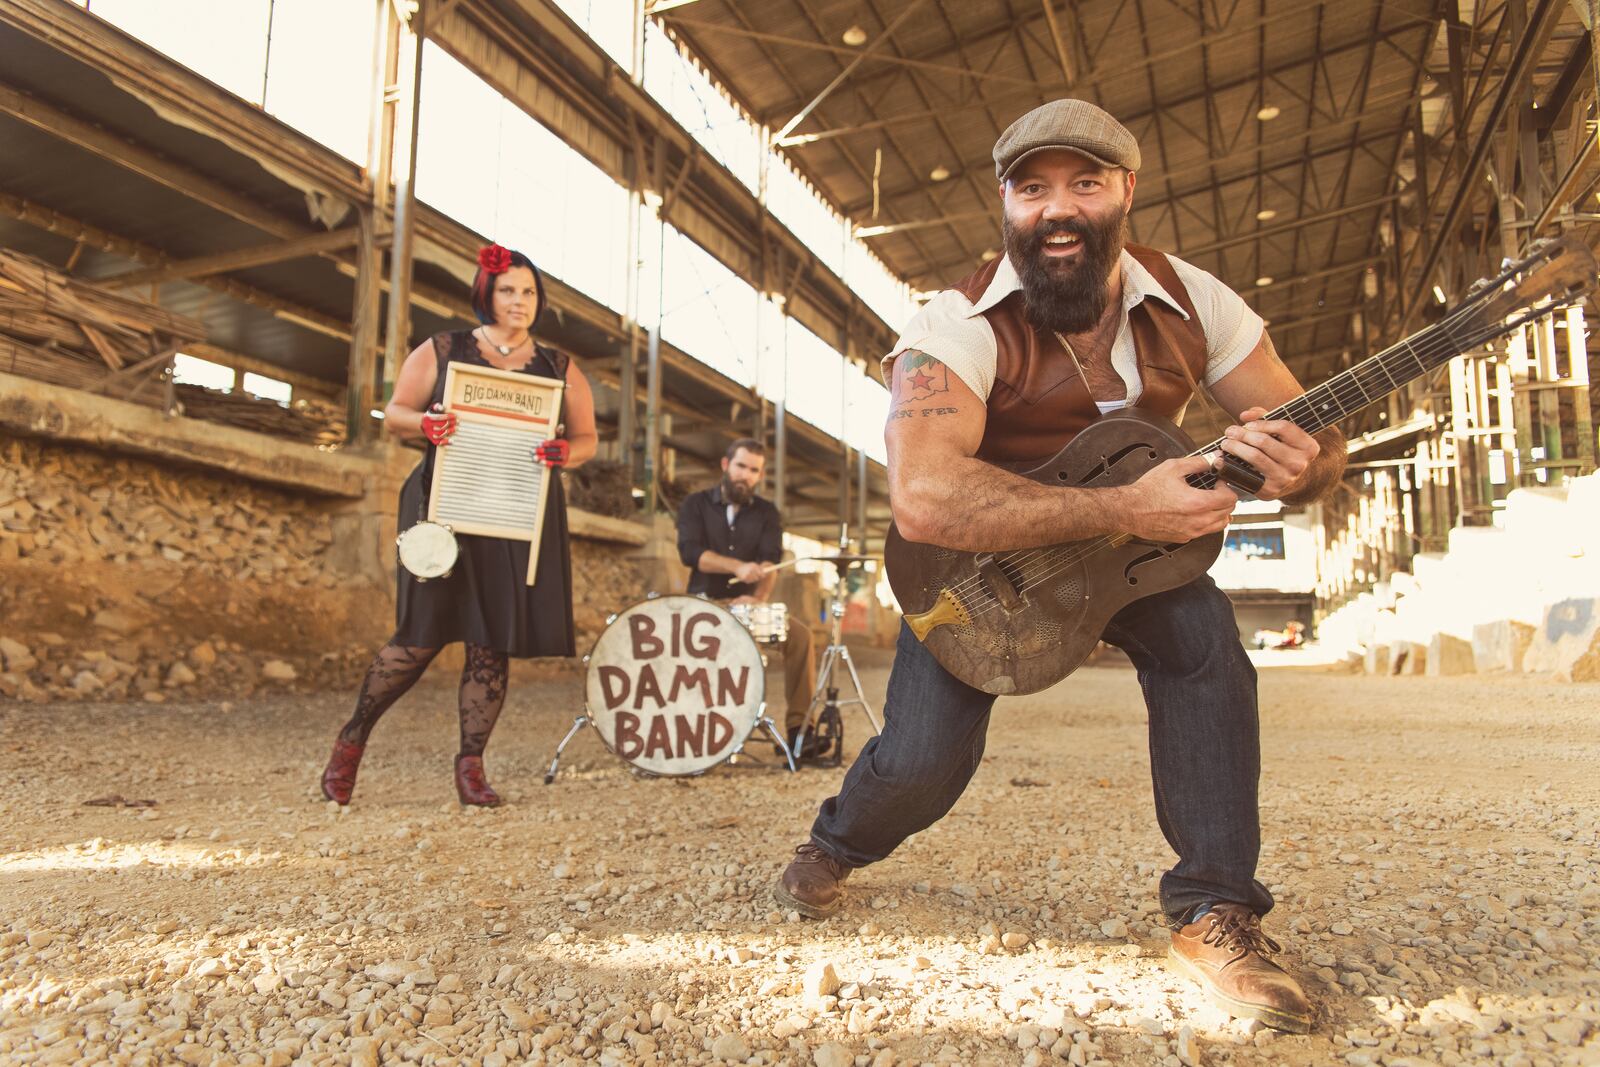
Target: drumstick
{"type": "Point", "coordinates": [820, 559]}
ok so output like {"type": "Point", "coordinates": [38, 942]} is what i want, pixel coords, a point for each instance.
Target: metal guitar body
{"type": "Point", "coordinates": [1018, 622]}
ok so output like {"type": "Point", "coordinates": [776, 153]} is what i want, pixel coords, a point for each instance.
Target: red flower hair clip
{"type": "Point", "coordinates": [494, 259]}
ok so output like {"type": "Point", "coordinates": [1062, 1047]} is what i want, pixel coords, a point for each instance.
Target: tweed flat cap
{"type": "Point", "coordinates": [1074, 124]}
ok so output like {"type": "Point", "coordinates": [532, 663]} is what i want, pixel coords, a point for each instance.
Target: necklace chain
{"type": "Point", "coordinates": [504, 350]}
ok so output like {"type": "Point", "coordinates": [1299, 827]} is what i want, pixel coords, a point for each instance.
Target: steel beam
{"type": "Point", "coordinates": [1093, 78]}
{"type": "Point", "coordinates": [747, 33]}
{"type": "Point", "coordinates": [1292, 225]}
{"type": "Point", "coordinates": [839, 79]}
{"type": "Point", "coordinates": [1337, 268]}
{"type": "Point", "coordinates": [1524, 56]}
{"type": "Point", "coordinates": [1063, 52]}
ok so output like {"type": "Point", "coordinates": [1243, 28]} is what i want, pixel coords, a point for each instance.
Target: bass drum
{"type": "Point", "coordinates": [675, 685]}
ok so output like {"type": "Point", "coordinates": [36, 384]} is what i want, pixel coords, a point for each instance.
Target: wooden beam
{"type": "Point", "coordinates": [238, 259]}
{"type": "Point", "coordinates": [52, 221]}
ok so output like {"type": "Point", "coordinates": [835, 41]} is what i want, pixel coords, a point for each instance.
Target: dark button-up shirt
{"type": "Point", "coordinates": [756, 536]}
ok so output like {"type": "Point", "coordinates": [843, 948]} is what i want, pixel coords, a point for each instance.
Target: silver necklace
{"type": "Point", "coordinates": [504, 350]}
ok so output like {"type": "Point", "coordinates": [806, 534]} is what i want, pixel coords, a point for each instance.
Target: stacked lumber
{"type": "Point", "coordinates": [66, 331]}
{"type": "Point", "coordinates": [312, 420]}
{"type": "Point", "coordinates": [63, 330]}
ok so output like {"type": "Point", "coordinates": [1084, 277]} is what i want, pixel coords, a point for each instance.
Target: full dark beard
{"type": "Point", "coordinates": [734, 493]}
{"type": "Point", "coordinates": [1069, 298]}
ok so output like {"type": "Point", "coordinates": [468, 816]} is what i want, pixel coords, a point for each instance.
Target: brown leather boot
{"type": "Point", "coordinates": [339, 776]}
{"type": "Point", "coordinates": [813, 883]}
{"type": "Point", "coordinates": [471, 786]}
{"type": "Point", "coordinates": [1225, 951]}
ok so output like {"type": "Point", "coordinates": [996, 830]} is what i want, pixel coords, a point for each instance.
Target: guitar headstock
{"type": "Point", "coordinates": [1556, 272]}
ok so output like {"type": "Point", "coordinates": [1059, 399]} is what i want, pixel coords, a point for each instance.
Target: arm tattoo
{"type": "Point", "coordinates": [919, 381]}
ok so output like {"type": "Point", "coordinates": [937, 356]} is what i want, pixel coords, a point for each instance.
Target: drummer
{"type": "Point", "coordinates": [725, 535]}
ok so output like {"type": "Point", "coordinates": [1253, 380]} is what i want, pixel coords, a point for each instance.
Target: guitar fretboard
{"type": "Point", "coordinates": [1372, 379]}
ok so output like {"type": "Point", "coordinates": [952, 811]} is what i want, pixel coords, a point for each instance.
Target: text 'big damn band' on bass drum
{"type": "Point", "coordinates": [1019, 621]}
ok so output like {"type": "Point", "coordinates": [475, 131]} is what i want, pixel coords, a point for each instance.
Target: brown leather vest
{"type": "Point", "coordinates": [1039, 401]}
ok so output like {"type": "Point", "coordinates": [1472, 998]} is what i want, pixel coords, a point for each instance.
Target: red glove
{"type": "Point", "coordinates": [438, 426]}
{"type": "Point", "coordinates": [554, 452]}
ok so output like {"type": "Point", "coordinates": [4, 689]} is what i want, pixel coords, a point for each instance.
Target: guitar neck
{"type": "Point", "coordinates": [1373, 378]}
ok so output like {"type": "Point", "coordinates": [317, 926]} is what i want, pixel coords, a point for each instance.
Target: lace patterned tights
{"type": "Point", "coordinates": [396, 668]}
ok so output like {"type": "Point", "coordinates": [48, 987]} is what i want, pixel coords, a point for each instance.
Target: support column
{"type": "Point", "coordinates": [861, 500]}
{"type": "Point", "coordinates": [844, 488]}
{"type": "Point", "coordinates": [359, 378]}
{"type": "Point", "coordinates": [628, 372]}
{"type": "Point", "coordinates": [652, 422]}
{"type": "Point", "coordinates": [408, 91]}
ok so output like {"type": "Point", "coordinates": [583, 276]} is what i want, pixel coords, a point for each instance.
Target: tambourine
{"type": "Point", "coordinates": [428, 550]}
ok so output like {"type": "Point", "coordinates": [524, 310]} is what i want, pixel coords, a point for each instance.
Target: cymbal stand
{"type": "Point", "coordinates": [825, 698]}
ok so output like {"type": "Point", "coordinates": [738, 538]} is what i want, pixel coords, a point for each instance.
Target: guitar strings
{"type": "Point", "coordinates": [1058, 560]}
{"type": "Point", "coordinates": [1443, 327]}
{"type": "Point", "coordinates": [1036, 566]}
{"type": "Point", "coordinates": [1021, 558]}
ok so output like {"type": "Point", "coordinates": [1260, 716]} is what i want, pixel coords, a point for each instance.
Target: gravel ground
{"type": "Point", "coordinates": [1431, 841]}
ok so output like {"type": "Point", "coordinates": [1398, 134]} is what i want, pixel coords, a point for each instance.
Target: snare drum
{"type": "Point", "coordinates": [767, 623]}
{"type": "Point", "coordinates": [428, 550]}
{"type": "Point", "coordinates": [675, 685]}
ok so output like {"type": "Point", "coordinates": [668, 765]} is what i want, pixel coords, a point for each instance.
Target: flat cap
{"type": "Point", "coordinates": [1074, 124]}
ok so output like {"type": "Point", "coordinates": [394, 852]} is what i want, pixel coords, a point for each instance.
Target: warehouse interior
{"type": "Point", "coordinates": [224, 227]}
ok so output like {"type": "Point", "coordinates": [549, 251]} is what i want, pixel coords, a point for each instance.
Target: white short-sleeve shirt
{"type": "Point", "coordinates": [952, 329]}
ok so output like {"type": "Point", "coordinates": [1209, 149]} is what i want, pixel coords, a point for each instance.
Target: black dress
{"type": "Point", "coordinates": [486, 600]}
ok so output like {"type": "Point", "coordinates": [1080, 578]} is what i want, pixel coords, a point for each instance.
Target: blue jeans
{"type": "Point", "coordinates": [1205, 755]}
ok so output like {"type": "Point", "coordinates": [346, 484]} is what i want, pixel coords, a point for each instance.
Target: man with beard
{"type": "Point", "coordinates": [1000, 371]}
{"type": "Point", "coordinates": [725, 536]}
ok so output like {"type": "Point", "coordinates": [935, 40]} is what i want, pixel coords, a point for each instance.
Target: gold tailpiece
{"type": "Point", "coordinates": [946, 610]}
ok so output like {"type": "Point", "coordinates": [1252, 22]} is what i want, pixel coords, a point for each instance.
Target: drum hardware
{"type": "Point", "coordinates": [823, 714]}
{"type": "Point", "coordinates": [675, 685]}
{"type": "Point", "coordinates": [767, 623]}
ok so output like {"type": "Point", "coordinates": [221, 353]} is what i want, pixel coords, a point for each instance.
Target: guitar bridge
{"type": "Point", "coordinates": [998, 583]}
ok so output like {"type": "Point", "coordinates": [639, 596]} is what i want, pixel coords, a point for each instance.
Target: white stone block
{"type": "Point", "coordinates": [1429, 568]}
{"type": "Point", "coordinates": [1408, 657]}
{"type": "Point", "coordinates": [1448, 655]}
{"type": "Point", "coordinates": [1567, 641]}
{"type": "Point", "coordinates": [1500, 645]}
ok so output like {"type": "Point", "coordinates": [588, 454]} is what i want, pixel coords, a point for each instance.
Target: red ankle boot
{"type": "Point", "coordinates": [339, 777]}
{"type": "Point", "coordinates": [471, 786]}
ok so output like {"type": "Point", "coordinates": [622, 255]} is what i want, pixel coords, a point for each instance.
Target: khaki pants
{"type": "Point", "coordinates": [799, 674]}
